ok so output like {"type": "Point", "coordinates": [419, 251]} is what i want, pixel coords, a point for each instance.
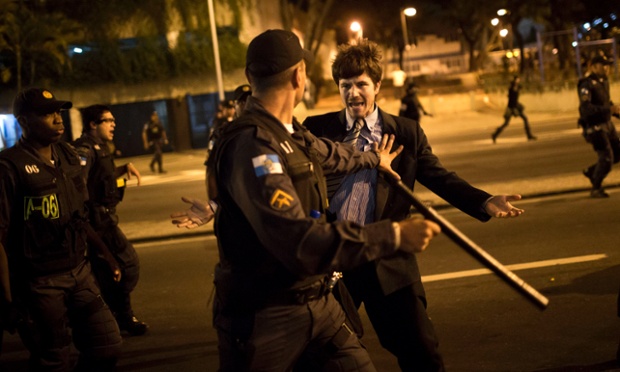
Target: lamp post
{"type": "Point", "coordinates": [357, 30]}
{"type": "Point", "coordinates": [406, 12]}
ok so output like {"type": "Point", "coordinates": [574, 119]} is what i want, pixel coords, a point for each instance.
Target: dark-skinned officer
{"type": "Point", "coordinates": [44, 232]}
{"type": "Point", "coordinates": [105, 190]}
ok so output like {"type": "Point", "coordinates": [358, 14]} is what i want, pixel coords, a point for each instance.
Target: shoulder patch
{"type": "Point", "coordinates": [266, 164]}
{"type": "Point", "coordinates": [280, 200]}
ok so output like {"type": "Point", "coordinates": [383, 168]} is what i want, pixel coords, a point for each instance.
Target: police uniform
{"type": "Point", "coordinates": [595, 119]}
{"type": "Point", "coordinates": [42, 227]}
{"type": "Point", "coordinates": [410, 105]}
{"type": "Point", "coordinates": [514, 108]}
{"type": "Point", "coordinates": [105, 191]}
{"type": "Point", "coordinates": [155, 136]}
{"type": "Point", "coordinates": [272, 304]}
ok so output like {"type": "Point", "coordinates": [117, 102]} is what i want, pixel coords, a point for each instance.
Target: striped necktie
{"type": "Point", "coordinates": [333, 182]}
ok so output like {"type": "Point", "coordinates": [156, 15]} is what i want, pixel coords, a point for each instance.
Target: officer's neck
{"type": "Point", "coordinates": [44, 149]}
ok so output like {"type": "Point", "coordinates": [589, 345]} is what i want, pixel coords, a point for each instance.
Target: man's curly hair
{"type": "Point", "coordinates": [353, 60]}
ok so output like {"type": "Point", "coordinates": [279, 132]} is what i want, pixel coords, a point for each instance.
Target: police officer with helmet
{"type": "Point", "coordinates": [50, 294]}
{"type": "Point", "coordinates": [595, 111]}
{"type": "Point", "coordinates": [105, 189]}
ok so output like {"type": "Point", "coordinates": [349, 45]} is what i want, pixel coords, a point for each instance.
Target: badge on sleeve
{"type": "Point", "coordinates": [280, 199]}
{"type": "Point", "coordinates": [83, 160]}
{"type": "Point", "coordinates": [266, 164]}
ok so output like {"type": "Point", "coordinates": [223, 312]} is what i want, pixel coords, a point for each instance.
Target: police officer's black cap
{"type": "Point", "coordinates": [38, 101]}
{"type": "Point", "coordinates": [601, 59]}
{"type": "Point", "coordinates": [242, 91]}
{"type": "Point", "coordinates": [275, 51]}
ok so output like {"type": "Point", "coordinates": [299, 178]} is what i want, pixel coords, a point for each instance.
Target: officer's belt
{"type": "Point", "coordinates": [301, 296]}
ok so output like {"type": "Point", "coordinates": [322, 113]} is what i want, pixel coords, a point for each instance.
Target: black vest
{"type": "Point", "coordinates": [102, 187]}
{"type": "Point", "coordinates": [247, 275]}
{"type": "Point", "coordinates": [47, 232]}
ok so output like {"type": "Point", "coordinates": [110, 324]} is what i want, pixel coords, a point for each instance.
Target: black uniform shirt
{"type": "Point", "coordinates": [254, 178]}
{"type": "Point", "coordinates": [594, 100]}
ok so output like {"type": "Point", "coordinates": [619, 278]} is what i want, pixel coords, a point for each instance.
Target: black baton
{"type": "Point", "coordinates": [473, 249]}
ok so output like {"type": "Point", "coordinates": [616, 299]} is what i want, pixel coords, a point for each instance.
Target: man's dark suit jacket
{"type": "Point", "coordinates": [416, 162]}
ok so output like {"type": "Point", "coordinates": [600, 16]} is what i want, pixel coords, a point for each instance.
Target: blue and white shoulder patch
{"type": "Point", "coordinates": [266, 164]}
{"type": "Point", "coordinates": [83, 160]}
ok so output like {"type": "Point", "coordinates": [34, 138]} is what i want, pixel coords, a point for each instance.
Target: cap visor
{"type": "Point", "coordinates": [54, 106]}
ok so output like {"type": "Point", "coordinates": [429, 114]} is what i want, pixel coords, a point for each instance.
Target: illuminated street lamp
{"type": "Point", "coordinates": [407, 12]}
{"type": "Point", "coordinates": [356, 28]}
{"type": "Point", "coordinates": [495, 21]}
{"type": "Point", "coordinates": [503, 32]}
{"type": "Point", "coordinates": [502, 12]}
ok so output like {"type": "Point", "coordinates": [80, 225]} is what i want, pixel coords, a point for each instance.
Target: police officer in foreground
{"type": "Point", "coordinates": [273, 303]}
{"type": "Point", "coordinates": [595, 111]}
{"type": "Point", "coordinates": [105, 189]}
{"type": "Point", "coordinates": [50, 295]}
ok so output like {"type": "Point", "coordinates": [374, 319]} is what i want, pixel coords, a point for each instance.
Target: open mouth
{"type": "Point", "coordinates": [356, 104]}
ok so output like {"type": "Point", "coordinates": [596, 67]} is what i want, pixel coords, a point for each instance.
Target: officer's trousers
{"type": "Point", "coordinates": [117, 295]}
{"type": "Point", "coordinates": [65, 307]}
{"type": "Point", "coordinates": [274, 338]}
{"type": "Point", "coordinates": [605, 141]}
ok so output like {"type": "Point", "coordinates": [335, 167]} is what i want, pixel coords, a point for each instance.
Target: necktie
{"type": "Point", "coordinates": [333, 182]}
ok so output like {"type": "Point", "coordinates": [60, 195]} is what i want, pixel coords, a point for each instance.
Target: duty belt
{"type": "Point", "coordinates": [303, 295]}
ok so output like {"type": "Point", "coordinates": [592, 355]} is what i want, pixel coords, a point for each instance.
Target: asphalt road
{"type": "Point", "coordinates": [565, 246]}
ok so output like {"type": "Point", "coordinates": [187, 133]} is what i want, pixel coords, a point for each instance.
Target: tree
{"type": "Point", "coordinates": [35, 38]}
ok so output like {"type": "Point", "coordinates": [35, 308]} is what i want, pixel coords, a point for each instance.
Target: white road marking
{"type": "Point", "coordinates": [515, 267]}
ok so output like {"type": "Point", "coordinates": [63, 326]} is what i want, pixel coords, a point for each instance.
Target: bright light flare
{"type": "Point", "coordinates": [410, 12]}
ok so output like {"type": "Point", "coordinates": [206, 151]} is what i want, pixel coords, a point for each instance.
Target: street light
{"type": "Point", "coordinates": [408, 12]}
{"type": "Point", "coordinates": [358, 32]}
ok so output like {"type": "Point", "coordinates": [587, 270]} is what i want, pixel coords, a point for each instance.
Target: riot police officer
{"type": "Point", "coordinates": [105, 190]}
{"type": "Point", "coordinates": [44, 232]}
{"type": "Point", "coordinates": [595, 111]}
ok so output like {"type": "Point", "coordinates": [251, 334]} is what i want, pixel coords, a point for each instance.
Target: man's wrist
{"type": "Point", "coordinates": [484, 205]}
{"type": "Point", "coordinates": [213, 204]}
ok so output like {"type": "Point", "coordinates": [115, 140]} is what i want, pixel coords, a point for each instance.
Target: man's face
{"type": "Point", "coordinates": [600, 69]}
{"type": "Point", "coordinates": [44, 129]}
{"type": "Point", "coordinates": [358, 95]}
{"type": "Point", "coordinates": [229, 112]}
{"type": "Point", "coordinates": [239, 106]}
{"type": "Point", "coordinates": [105, 126]}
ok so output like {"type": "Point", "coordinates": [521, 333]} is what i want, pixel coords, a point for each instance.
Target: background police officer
{"type": "Point", "coordinates": [105, 190]}
{"type": "Point", "coordinates": [44, 231]}
{"type": "Point", "coordinates": [595, 111]}
{"type": "Point", "coordinates": [154, 137]}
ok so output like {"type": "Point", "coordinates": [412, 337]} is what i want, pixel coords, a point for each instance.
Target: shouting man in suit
{"type": "Point", "coordinates": [391, 287]}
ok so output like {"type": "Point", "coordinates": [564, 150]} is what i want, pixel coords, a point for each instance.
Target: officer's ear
{"type": "Point", "coordinates": [92, 125]}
